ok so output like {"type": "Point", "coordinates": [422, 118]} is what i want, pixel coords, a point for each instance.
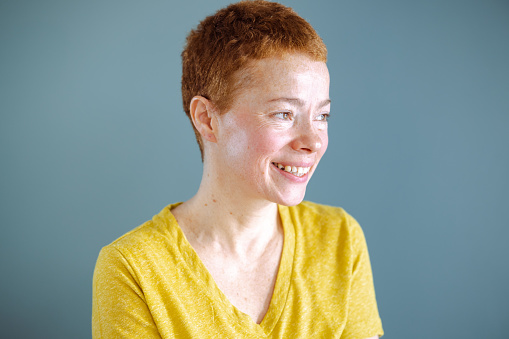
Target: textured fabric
{"type": "Point", "coordinates": [150, 283]}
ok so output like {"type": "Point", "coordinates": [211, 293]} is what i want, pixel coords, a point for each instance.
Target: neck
{"type": "Point", "coordinates": [219, 216]}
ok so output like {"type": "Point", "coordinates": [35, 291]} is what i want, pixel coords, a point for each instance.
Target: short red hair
{"type": "Point", "coordinates": [224, 43]}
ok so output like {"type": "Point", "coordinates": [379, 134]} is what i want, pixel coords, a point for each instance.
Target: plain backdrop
{"type": "Point", "coordinates": [94, 141]}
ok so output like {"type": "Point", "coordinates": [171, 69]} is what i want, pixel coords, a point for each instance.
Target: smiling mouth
{"type": "Point", "coordinates": [297, 171]}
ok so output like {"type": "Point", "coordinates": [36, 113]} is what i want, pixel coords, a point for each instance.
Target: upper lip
{"type": "Point", "coordinates": [296, 164]}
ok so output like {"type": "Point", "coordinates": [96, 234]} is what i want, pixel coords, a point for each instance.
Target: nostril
{"type": "Point", "coordinates": [312, 147]}
{"type": "Point", "coordinates": [308, 142]}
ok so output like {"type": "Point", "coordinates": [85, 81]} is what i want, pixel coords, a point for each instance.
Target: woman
{"type": "Point", "coordinates": [245, 257]}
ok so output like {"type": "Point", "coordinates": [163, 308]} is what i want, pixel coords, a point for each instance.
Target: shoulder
{"type": "Point", "coordinates": [147, 241]}
{"type": "Point", "coordinates": [325, 228]}
{"type": "Point", "coordinates": [323, 217]}
{"type": "Point", "coordinates": [138, 238]}
{"type": "Point", "coordinates": [314, 209]}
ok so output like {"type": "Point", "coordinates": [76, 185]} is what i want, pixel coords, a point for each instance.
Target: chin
{"type": "Point", "coordinates": [292, 203]}
{"type": "Point", "coordinates": [290, 199]}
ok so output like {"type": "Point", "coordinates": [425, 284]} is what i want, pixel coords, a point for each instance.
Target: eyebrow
{"type": "Point", "coordinates": [299, 102]}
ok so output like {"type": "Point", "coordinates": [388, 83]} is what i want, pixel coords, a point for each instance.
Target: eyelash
{"type": "Point", "coordinates": [284, 115]}
{"type": "Point", "coordinates": [325, 116]}
{"type": "Point", "coordinates": [288, 115]}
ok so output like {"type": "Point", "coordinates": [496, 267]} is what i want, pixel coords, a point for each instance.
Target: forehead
{"type": "Point", "coordinates": [288, 75]}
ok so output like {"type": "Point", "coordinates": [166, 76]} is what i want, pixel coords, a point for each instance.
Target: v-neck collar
{"type": "Point", "coordinates": [203, 277]}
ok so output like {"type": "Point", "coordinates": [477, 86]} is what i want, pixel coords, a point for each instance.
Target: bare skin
{"type": "Point", "coordinates": [244, 264]}
{"type": "Point", "coordinates": [232, 222]}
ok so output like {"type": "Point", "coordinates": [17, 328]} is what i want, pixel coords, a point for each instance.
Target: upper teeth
{"type": "Point", "coordinates": [298, 171]}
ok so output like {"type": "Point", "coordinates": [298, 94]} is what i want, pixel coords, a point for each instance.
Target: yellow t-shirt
{"type": "Point", "coordinates": [150, 283]}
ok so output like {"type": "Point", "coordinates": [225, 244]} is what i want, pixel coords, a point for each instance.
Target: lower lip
{"type": "Point", "coordinates": [292, 177]}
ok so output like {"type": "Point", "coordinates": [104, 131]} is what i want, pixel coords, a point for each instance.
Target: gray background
{"type": "Point", "coordinates": [94, 142]}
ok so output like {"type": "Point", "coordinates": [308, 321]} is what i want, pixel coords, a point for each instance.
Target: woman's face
{"type": "Point", "coordinates": [271, 140]}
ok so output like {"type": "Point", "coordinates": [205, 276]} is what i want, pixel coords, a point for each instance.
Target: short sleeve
{"type": "Point", "coordinates": [363, 318]}
{"type": "Point", "coordinates": [119, 309]}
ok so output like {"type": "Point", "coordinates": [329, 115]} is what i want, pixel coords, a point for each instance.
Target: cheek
{"type": "Point", "coordinates": [234, 139]}
{"type": "Point", "coordinates": [325, 144]}
{"type": "Point", "coordinates": [236, 145]}
{"type": "Point", "coordinates": [267, 143]}
{"type": "Point", "coordinates": [258, 140]}
{"type": "Point", "coordinates": [246, 141]}
{"type": "Point", "coordinates": [248, 145]}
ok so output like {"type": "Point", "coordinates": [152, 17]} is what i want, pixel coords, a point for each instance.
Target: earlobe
{"type": "Point", "coordinates": [203, 113]}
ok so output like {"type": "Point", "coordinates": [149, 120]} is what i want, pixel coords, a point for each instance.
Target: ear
{"type": "Point", "coordinates": [203, 115]}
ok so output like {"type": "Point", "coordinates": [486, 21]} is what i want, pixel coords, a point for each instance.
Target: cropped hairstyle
{"type": "Point", "coordinates": [220, 48]}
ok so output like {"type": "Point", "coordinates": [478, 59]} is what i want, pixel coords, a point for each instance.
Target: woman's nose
{"type": "Point", "coordinates": [308, 140]}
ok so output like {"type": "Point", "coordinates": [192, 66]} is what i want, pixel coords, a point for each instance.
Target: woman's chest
{"type": "Point", "coordinates": [247, 286]}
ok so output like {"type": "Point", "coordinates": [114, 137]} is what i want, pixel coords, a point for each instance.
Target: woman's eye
{"type": "Point", "coordinates": [283, 115]}
{"type": "Point", "coordinates": [323, 117]}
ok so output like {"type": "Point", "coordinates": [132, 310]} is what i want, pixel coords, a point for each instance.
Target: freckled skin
{"type": "Point", "coordinates": [279, 117]}
{"type": "Point", "coordinates": [252, 136]}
